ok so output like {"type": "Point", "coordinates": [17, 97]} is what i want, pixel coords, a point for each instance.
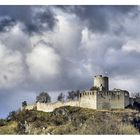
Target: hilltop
{"type": "Point", "coordinates": [72, 120]}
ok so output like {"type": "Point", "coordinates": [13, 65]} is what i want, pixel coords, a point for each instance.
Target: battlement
{"type": "Point", "coordinates": [107, 93]}
{"type": "Point", "coordinates": [98, 76]}
{"type": "Point", "coordinates": [100, 97]}
{"type": "Point", "coordinates": [86, 93]}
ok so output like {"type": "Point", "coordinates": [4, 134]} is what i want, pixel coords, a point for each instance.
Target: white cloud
{"type": "Point", "coordinates": [43, 62]}
{"type": "Point", "coordinates": [125, 83]}
{"type": "Point", "coordinates": [72, 52]}
{"type": "Point", "coordinates": [16, 38]}
{"type": "Point", "coordinates": [132, 46]}
{"type": "Point", "coordinates": [67, 36]}
{"type": "Point", "coordinates": [11, 69]}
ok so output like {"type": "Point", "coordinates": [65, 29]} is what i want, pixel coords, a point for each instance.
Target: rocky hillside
{"type": "Point", "coordinates": [72, 120]}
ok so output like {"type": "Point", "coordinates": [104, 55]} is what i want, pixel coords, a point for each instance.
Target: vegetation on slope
{"type": "Point", "coordinates": [73, 120]}
{"type": "Point", "coordinates": [8, 127]}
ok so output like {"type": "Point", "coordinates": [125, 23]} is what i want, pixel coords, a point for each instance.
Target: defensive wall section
{"type": "Point", "coordinates": [49, 107]}
{"type": "Point", "coordinates": [104, 99]}
{"type": "Point", "coordinates": [29, 107]}
{"type": "Point", "coordinates": [88, 99]}
{"type": "Point", "coordinates": [100, 98]}
{"type": "Point", "coordinates": [112, 100]}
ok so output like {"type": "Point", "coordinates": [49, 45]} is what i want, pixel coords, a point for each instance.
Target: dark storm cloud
{"type": "Point", "coordinates": [97, 17]}
{"type": "Point", "coordinates": [87, 40]}
{"type": "Point", "coordinates": [5, 23]}
{"type": "Point", "coordinates": [22, 13]}
{"type": "Point", "coordinates": [46, 17]}
{"type": "Point", "coordinates": [43, 20]}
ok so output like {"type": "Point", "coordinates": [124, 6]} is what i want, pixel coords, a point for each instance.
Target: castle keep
{"type": "Point", "coordinates": [98, 97]}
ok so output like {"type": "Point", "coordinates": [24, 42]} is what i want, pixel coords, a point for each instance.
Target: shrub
{"type": "Point", "coordinates": [127, 129]}
{"type": "Point", "coordinates": [2, 122]}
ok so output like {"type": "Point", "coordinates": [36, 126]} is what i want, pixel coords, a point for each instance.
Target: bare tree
{"type": "Point", "coordinates": [61, 97]}
{"type": "Point", "coordinates": [137, 94]}
{"type": "Point", "coordinates": [72, 95]}
{"type": "Point", "coordinates": [12, 116]}
{"type": "Point", "coordinates": [24, 103]}
{"type": "Point", "coordinates": [94, 88]}
{"type": "Point", "coordinates": [43, 97]}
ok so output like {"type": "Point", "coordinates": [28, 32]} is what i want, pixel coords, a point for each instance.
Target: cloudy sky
{"type": "Point", "coordinates": [59, 48]}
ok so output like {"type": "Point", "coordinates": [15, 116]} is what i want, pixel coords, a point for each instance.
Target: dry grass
{"type": "Point", "coordinates": [9, 128]}
{"type": "Point", "coordinates": [126, 129]}
{"type": "Point", "coordinates": [75, 120]}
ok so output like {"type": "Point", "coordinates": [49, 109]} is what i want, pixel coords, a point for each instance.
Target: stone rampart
{"type": "Point", "coordinates": [49, 107]}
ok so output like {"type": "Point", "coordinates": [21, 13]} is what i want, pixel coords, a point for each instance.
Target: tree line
{"type": "Point", "coordinates": [44, 97]}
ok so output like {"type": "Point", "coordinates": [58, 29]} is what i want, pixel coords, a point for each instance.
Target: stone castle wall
{"type": "Point", "coordinates": [112, 100]}
{"type": "Point", "coordinates": [102, 99]}
{"type": "Point", "coordinates": [49, 107]}
{"type": "Point", "coordinates": [29, 107]}
{"type": "Point", "coordinates": [88, 99]}
{"type": "Point", "coordinates": [127, 99]}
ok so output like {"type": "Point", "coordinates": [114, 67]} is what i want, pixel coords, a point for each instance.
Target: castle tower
{"type": "Point", "coordinates": [101, 83]}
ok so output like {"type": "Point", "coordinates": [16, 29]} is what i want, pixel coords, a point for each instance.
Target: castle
{"type": "Point", "coordinates": [98, 97]}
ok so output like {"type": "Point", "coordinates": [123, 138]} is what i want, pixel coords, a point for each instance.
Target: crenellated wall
{"type": "Point", "coordinates": [113, 99]}
{"type": "Point", "coordinates": [90, 99]}
{"type": "Point", "coordinates": [102, 99]}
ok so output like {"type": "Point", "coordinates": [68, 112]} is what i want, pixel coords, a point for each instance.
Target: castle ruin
{"type": "Point", "coordinates": [98, 97]}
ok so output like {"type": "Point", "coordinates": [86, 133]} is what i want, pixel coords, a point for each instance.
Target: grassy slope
{"type": "Point", "coordinates": [9, 128]}
{"type": "Point", "coordinates": [74, 120]}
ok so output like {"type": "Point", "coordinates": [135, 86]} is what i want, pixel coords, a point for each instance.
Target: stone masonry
{"type": "Point", "coordinates": [99, 97]}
